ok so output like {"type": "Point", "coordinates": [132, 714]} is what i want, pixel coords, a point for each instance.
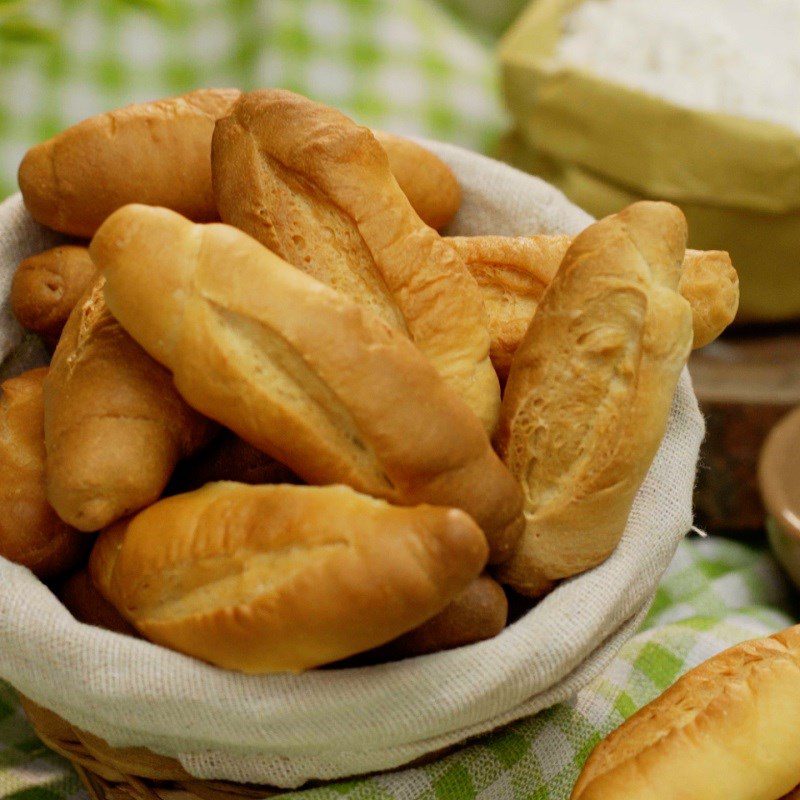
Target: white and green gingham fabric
{"type": "Point", "coordinates": [415, 67]}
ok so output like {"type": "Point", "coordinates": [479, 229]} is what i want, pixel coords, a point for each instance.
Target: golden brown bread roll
{"type": "Point", "coordinates": [156, 153]}
{"type": "Point", "coordinates": [513, 273]}
{"type": "Point", "coordinates": [275, 578]}
{"type": "Point", "coordinates": [478, 612]}
{"type": "Point", "coordinates": [727, 730]}
{"type": "Point", "coordinates": [427, 182]}
{"type": "Point", "coordinates": [87, 605]}
{"type": "Point", "coordinates": [114, 424]}
{"type": "Point", "coordinates": [299, 370]}
{"type": "Point", "coordinates": [316, 189]}
{"type": "Point", "coordinates": [228, 458]}
{"type": "Point", "coordinates": [590, 388]}
{"type": "Point", "coordinates": [46, 288]}
{"type": "Point", "coordinates": [31, 533]}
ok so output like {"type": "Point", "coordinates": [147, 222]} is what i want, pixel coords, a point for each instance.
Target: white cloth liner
{"type": "Point", "coordinates": [286, 729]}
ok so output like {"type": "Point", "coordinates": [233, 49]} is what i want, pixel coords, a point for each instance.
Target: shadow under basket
{"type": "Point", "coordinates": [128, 773]}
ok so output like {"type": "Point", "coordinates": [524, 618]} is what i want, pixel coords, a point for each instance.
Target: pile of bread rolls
{"type": "Point", "coordinates": [280, 439]}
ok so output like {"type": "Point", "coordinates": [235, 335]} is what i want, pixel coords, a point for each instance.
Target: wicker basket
{"type": "Point", "coordinates": [110, 773]}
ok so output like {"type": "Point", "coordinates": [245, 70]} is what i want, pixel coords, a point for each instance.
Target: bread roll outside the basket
{"type": "Point", "coordinates": [727, 730]}
{"type": "Point", "coordinates": [114, 424]}
{"type": "Point", "coordinates": [46, 288]}
{"type": "Point", "coordinates": [427, 182]}
{"type": "Point", "coordinates": [298, 370]}
{"type": "Point", "coordinates": [31, 532]}
{"type": "Point", "coordinates": [513, 273]}
{"type": "Point", "coordinates": [317, 189]}
{"type": "Point", "coordinates": [156, 153]}
{"type": "Point", "coordinates": [590, 389]}
{"type": "Point", "coordinates": [285, 578]}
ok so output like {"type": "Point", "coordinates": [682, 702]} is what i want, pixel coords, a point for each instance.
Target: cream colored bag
{"type": "Point", "coordinates": [286, 729]}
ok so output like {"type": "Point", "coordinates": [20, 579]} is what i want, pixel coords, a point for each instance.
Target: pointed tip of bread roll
{"type": "Point", "coordinates": [659, 231]}
{"type": "Point", "coordinates": [135, 248]}
{"type": "Point", "coordinates": [37, 182]}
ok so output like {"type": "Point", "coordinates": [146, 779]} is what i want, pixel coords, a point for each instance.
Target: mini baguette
{"type": "Point", "coordinates": [114, 424]}
{"type": "Point", "coordinates": [317, 190]}
{"type": "Point", "coordinates": [479, 612]}
{"type": "Point", "coordinates": [513, 273]}
{"type": "Point", "coordinates": [46, 288]}
{"type": "Point", "coordinates": [299, 370]}
{"type": "Point", "coordinates": [727, 730]}
{"type": "Point", "coordinates": [427, 182]}
{"type": "Point", "coordinates": [284, 578]}
{"type": "Point", "coordinates": [156, 153]}
{"type": "Point", "coordinates": [31, 533]}
{"type": "Point", "coordinates": [87, 604]}
{"type": "Point", "coordinates": [590, 388]}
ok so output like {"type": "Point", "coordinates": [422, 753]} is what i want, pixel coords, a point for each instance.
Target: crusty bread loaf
{"type": "Point", "coordinates": [31, 533]}
{"type": "Point", "coordinates": [299, 370]}
{"type": "Point", "coordinates": [727, 730]}
{"type": "Point", "coordinates": [46, 288]}
{"type": "Point", "coordinates": [87, 605]}
{"type": "Point", "coordinates": [478, 612]}
{"type": "Point", "coordinates": [156, 153]}
{"type": "Point", "coordinates": [316, 189]}
{"type": "Point", "coordinates": [228, 458]}
{"type": "Point", "coordinates": [590, 388]}
{"type": "Point", "coordinates": [513, 273]}
{"type": "Point", "coordinates": [710, 284]}
{"type": "Point", "coordinates": [276, 578]}
{"type": "Point", "coordinates": [427, 182]}
{"type": "Point", "coordinates": [114, 424]}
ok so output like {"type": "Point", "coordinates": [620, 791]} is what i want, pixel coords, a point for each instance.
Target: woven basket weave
{"type": "Point", "coordinates": [110, 773]}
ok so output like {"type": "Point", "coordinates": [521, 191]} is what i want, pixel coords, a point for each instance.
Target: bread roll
{"type": "Point", "coordinates": [590, 388]}
{"type": "Point", "coordinates": [513, 273]}
{"type": "Point", "coordinates": [285, 578]}
{"type": "Point", "coordinates": [46, 288]}
{"type": "Point", "coordinates": [316, 189]}
{"type": "Point", "coordinates": [31, 533]}
{"type": "Point", "coordinates": [228, 458]}
{"type": "Point", "coordinates": [156, 153]}
{"type": "Point", "coordinates": [87, 605]}
{"type": "Point", "coordinates": [299, 370]}
{"type": "Point", "coordinates": [727, 730]}
{"type": "Point", "coordinates": [427, 182]}
{"type": "Point", "coordinates": [479, 612]}
{"type": "Point", "coordinates": [114, 424]}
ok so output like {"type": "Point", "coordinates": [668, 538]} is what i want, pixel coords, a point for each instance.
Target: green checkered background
{"type": "Point", "coordinates": [413, 66]}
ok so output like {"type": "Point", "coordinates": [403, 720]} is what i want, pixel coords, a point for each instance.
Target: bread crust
{"type": "Point", "coordinates": [299, 370]}
{"type": "Point", "coordinates": [427, 182]}
{"type": "Point", "coordinates": [114, 424]}
{"type": "Point", "coordinates": [285, 578]}
{"type": "Point", "coordinates": [87, 604]}
{"type": "Point", "coordinates": [477, 613]}
{"type": "Point", "coordinates": [316, 189]}
{"type": "Point", "coordinates": [513, 273]}
{"type": "Point", "coordinates": [46, 288]}
{"type": "Point", "coordinates": [727, 730]}
{"type": "Point", "coordinates": [31, 532]}
{"type": "Point", "coordinates": [590, 388]}
{"type": "Point", "coordinates": [155, 153]}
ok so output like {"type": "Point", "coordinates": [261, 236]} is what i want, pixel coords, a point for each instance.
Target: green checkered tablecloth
{"type": "Point", "coordinates": [715, 594]}
{"type": "Point", "coordinates": [406, 65]}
